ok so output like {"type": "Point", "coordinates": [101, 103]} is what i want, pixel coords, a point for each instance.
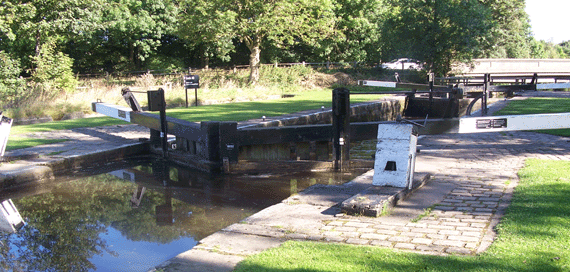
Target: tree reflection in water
{"type": "Point", "coordinates": [64, 226]}
{"type": "Point", "coordinates": [67, 226]}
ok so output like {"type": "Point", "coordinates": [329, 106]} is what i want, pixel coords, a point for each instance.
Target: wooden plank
{"type": "Point", "coordinates": [274, 135]}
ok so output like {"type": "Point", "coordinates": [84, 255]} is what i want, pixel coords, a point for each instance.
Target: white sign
{"type": "Point", "coordinates": [514, 123]}
{"type": "Point", "coordinates": [373, 83]}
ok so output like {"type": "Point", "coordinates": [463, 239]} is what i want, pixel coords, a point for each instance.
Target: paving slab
{"type": "Point", "coordinates": [200, 261]}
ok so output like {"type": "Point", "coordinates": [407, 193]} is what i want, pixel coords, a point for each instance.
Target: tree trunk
{"type": "Point", "coordinates": [206, 62]}
{"type": "Point", "coordinates": [254, 46]}
{"type": "Point", "coordinates": [38, 43]}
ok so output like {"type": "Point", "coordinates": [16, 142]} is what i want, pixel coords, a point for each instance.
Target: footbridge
{"type": "Point", "coordinates": [497, 66]}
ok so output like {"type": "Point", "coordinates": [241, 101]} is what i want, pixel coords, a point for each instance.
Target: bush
{"type": "Point", "coordinates": [284, 77]}
{"type": "Point", "coordinates": [12, 87]}
{"type": "Point", "coordinates": [53, 74]}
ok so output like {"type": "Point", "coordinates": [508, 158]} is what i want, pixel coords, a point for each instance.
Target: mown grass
{"type": "Point", "coordinates": [15, 141]}
{"type": "Point", "coordinates": [256, 109]}
{"type": "Point", "coordinates": [537, 105]}
{"type": "Point", "coordinates": [532, 236]}
{"type": "Point", "coordinates": [218, 112]}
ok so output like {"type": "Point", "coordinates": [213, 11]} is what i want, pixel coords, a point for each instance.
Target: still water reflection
{"type": "Point", "coordinates": [135, 218]}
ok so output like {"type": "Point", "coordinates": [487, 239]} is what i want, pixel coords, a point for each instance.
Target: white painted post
{"type": "Point", "coordinates": [10, 219]}
{"type": "Point", "coordinates": [111, 110]}
{"type": "Point", "coordinates": [5, 126]}
{"type": "Point", "coordinates": [395, 156]}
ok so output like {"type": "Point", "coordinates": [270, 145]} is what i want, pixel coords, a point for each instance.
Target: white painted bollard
{"type": "Point", "coordinates": [395, 156]}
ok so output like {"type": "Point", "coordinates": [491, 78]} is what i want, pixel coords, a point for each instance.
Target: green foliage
{"type": "Point", "coordinates": [547, 50]}
{"type": "Point", "coordinates": [358, 32]}
{"type": "Point", "coordinates": [121, 35]}
{"type": "Point", "coordinates": [7, 15]}
{"type": "Point", "coordinates": [438, 33]}
{"type": "Point", "coordinates": [50, 21]}
{"type": "Point", "coordinates": [12, 87]}
{"type": "Point", "coordinates": [135, 28]}
{"type": "Point", "coordinates": [284, 77]}
{"type": "Point", "coordinates": [510, 35]}
{"type": "Point", "coordinates": [283, 22]}
{"type": "Point", "coordinates": [53, 74]}
{"type": "Point", "coordinates": [165, 63]}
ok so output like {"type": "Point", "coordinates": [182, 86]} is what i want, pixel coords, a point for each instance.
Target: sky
{"type": "Point", "coordinates": [549, 19]}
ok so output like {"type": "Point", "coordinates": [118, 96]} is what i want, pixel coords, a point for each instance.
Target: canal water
{"type": "Point", "coordinates": [134, 215]}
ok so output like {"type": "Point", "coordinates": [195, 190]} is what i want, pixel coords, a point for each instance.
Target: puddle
{"type": "Point", "coordinates": [134, 218]}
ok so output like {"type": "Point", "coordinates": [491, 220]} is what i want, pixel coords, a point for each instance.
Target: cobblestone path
{"type": "Point", "coordinates": [481, 170]}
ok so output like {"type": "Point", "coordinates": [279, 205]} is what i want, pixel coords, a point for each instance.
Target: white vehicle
{"type": "Point", "coordinates": [402, 64]}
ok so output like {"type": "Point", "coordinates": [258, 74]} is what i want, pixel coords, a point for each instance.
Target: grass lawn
{"type": "Point", "coordinates": [532, 236]}
{"type": "Point", "coordinates": [17, 142]}
{"type": "Point", "coordinates": [536, 105]}
{"type": "Point", "coordinates": [220, 112]}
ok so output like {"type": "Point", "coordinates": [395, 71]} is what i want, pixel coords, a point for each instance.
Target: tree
{"type": "Point", "coordinates": [281, 22]}
{"type": "Point", "coordinates": [12, 87]}
{"type": "Point", "coordinates": [437, 32]}
{"type": "Point", "coordinates": [42, 21]}
{"type": "Point", "coordinates": [136, 27]}
{"type": "Point", "coordinates": [53, 72]}
{"type": "Point", "coordinates": [547, 50]}
{"type": "Point", "coordinates": [358, 31]}
{"type": "Point", "coordinates": [7, 14]}
{"type": "Point", "coordinates": [511, 29]}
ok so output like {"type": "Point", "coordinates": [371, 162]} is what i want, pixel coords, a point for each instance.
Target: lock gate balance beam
{"type": "Point", "coordinates": [5, 126]}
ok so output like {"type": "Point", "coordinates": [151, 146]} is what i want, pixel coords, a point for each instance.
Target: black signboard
{"type": "Point", "coordinates": [192, 82]}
